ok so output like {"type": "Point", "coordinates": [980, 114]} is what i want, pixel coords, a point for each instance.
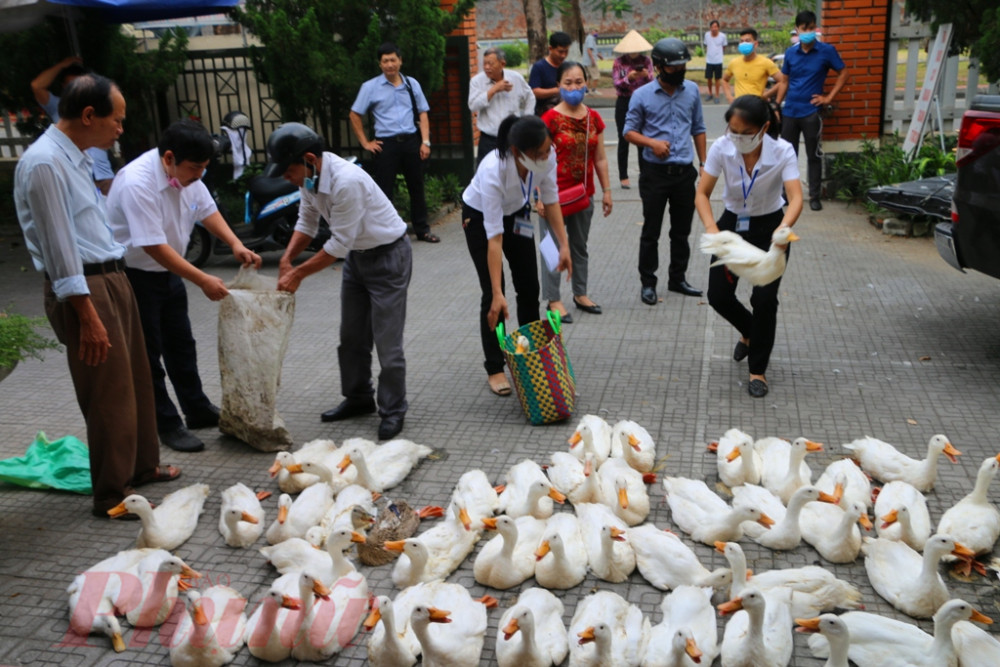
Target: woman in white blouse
{"type": "Point", "coordinates": [496, 217]}
{"type": "Point", "coordinates": [755, 165]}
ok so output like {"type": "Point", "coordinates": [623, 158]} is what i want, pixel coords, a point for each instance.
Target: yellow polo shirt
{"type": "Point", "coordinates": [750, 78]}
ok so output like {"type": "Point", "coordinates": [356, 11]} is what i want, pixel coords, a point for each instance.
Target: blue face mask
{"type": "Point", "coordinates": [309, 182]}
{"type": "Point", "coordinates": [807, 37]}
{"type": "Point", "coordinates": [573, 97]}
{"type": "Point", "coordinates": [746, 48]}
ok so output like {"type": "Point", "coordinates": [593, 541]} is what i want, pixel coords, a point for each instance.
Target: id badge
{"type": "Point", "coordinates": [743, 223]}
{"type": "Point", "coordinates": [522, 223]}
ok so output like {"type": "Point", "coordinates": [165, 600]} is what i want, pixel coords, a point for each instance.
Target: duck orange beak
{"type": "Point", "coordinates": [889, 519]}
{"type": "Point", "coordinates": [765, 520]}
{"type": "Point", "coordinates": [623, 498]}
{"type": "Point", "coordinates": [282, 514]}
{"type": "Point", "coordinates": [633, 442]}
{"type": "Point", "coordinates": [344, 463]}
{"type": "Point", "coordinates": [951, 453]}
{"type": "Point", "coordinates": [320, 590]}
{"type": "Point", "coordinates": [574, 439]}
{"type": "Point", "coordinates": [733, 455]}
{"type": "Point", "coordinates": [188, 573]}
{"type": "Point", "coordinates": [542, 550]}
{"type": "Point", "coordinates": [838, 492]}
{"type": "Point", "coordinates": [199, 615]}
{"type": "Point", "coordinates": [288, 602]}
{"type": "Point", "coordinates": [358, 538]}
{"type": "Point", "coordinates": [998, 458]}
{"type": "Point", "coordinates": [963, 551]}
{"type": "Point", "coordinates": [556, 496]}
{"type": "Point", "coordinates": [373, 619]}
{"type": "Point", "coordinates": [295, 468]}
{"type": "Point", "coordinates": [249, 518]}
{"type": "Point", "coordinates": [117, 642]}
{"type": "Point", "coordinates": [511, 629]}
{"type": "Point", "coordinates": [814, 446]}
{"type": "Point", "coordinates": [865, 521]}
{"type": "Point", "coordinates": [464, 517]}
{"type": "Point", "coordinates": [730, 607]}
{"type": "Point", "coordinates": [617, 534]}
{"type": "Point", "coordinates": [274, 469]}
{"type": "Point", "coordinates": [807, 625]}
{"type": "Point", "coordinates": [490, 523]}
{"type": "Point", "coordinates": [793, 237]}
{"type": "Point", "coordinates": [118, 510]}
{"type": "Point", "coordinates": [720, 547]}
{"type": "Point", "coordinates": [980, 618]}
{"type": "Point", "coordinates": [396, 545]}
{"type": "Point", "coordinates": [827, 498]}
{"type": "Point", "coordinates": [586, 636]}
{"type": "Point", "coordinates": [439, 615]}
{"type": "Point", "coordinates": [691, 648]}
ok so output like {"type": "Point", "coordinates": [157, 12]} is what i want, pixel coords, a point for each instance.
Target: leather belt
{"type": "Point", "coordinates": [380, 248]}
{"type": "Point", "coordinates": [110, 266]}
{"type": "Point", "coordinates": [398, 138]}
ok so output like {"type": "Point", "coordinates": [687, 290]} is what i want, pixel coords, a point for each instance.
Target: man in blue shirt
{"type": "Point", "coordinates": [88, 299]}
{"type": "Point", "coordinates": [402, 133]}
{"type": "Point", "coordinates": [542, 79]}
{"type": "Point", "coordinates": [805, 68]}
{"type": "Point", "coordinates": [663, 117]}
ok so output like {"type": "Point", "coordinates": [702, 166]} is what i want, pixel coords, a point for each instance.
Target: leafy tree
{"type": "Point", "coordinates": [976, 25]}
{"type": "Point", "coordinates": [316, 55]}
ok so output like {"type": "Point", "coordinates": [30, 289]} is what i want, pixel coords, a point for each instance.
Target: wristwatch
{"type": "Point", "coordinates": [427, 143]}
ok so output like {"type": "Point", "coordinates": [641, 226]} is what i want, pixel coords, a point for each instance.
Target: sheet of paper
{"type": "Point", "coordinates": [550, 252]}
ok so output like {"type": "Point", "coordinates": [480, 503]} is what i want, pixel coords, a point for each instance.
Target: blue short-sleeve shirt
{"type": "Point", "coordinates": [654, 113]}
{"type": "Point", "coordinates": [806, 72]}
{"type": "Point", "coordinates": [390, 105]}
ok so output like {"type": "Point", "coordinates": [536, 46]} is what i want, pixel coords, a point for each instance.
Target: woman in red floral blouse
{"type": "Point", "coordinates": [577, 134]}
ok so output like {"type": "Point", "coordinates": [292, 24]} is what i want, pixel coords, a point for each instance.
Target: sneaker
{"type": "Point", "coordinates": [207, 418]}
{"type": "Point", "coordinates": [181, 440]}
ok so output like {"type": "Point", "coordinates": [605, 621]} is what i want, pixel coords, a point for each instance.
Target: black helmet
{"type": "Point", "coordinates": [670, 51]}
{"type": "Point", "coordinates": [288, 144]}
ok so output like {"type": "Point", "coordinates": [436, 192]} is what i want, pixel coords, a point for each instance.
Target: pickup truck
{"type": "Point", "coordinates": [972, 238]}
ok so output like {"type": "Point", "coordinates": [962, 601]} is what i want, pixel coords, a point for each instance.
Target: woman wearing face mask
{"type": "Point", "coordinates": [754, 166]}
{"type": "Point", "coordinates": [496, 217]}
{"type": "Point", "coordinates": [578, 136]}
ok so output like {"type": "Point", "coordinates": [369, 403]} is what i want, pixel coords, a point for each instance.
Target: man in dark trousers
{"type": "Point", "coordinates": [402, 133]}
{"type": "Point", "coordinates": [663, 117]}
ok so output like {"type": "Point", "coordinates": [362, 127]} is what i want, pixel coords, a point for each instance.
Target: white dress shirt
{"type": "Point", "coordinates": [62, 212]}
{"type": "Point", "coordinates": [496, 190]}
{"type": "Point", "coordinates": [145, 211]}
{"type": "Point", "coordinates": [518, 101]}
{"type": "Point", "coordinates": [360, 216]}
{"type": "Point", "coordinates": [777, 164]}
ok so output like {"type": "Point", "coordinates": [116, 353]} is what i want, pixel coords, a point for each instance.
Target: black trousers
{"type": "Point", "coordinates": [810, 127]}
{"type": "Point", "coordinates": [403, 157]}
{"type": "Point", "coordinates": [163, 310]}
{"type": "Point", "coordinates": [758, 326]}
{"type": "Point", "coordinates": [660, 184]}
{"type": "Point", "coordinates": [487, 144]}
{"type": "Point", "coordinates": [521, 258]}
{"type": "Point", "coordinates": [621, 110]}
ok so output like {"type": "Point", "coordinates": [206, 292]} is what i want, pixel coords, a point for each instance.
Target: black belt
{"type": "Point", "coordinates": [671, 168]}
{"type": "Point", "coordinates": [381, 248]}
{"type": "Point", "coordinates": [398, 138]}
{"type": "Point", "coordinates": [110, 266]}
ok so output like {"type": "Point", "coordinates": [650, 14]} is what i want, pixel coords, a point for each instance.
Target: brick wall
{"type": "Point", "coordinates": [859, 30]}
{"type": "Point", "coordinates": [447, 103]}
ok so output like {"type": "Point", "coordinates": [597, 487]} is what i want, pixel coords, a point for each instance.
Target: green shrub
{"type": "Point", "coordinates": [438, 191]}
{"type": "Point", "coordinates": [20, 341]}
{"type": "Point", "coordinates": [516, 52]}
{"type": "Point", "coordinates": [853, 174]}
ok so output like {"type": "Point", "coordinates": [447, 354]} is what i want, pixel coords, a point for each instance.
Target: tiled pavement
{"type": "Point", "coordinates": [877, 336]}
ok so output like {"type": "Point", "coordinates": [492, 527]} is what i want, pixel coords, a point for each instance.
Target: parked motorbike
{"type": "Point", "coordinates": [270, 205]}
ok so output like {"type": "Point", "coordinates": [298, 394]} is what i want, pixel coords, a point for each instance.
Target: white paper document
{"type": "Point", "coordinates": [550, 252]}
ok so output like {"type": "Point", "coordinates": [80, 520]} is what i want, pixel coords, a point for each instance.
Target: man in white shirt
{"type": "Point", "coordinates": [715, 42]}
{"type": "Point", "coordinates": [371, 237]}
{"type": "Point", "coordinates": [494, 94]}
{"type": "Point", "coordinates": [154, 205]}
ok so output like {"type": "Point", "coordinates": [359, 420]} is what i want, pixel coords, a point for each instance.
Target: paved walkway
{"type": "Point", "coordinates": [877, 336]}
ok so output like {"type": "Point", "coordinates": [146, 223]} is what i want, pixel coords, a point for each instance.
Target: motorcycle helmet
{"type": "Point", "coordinates": [288, 144]}
{"type": "Point", "coordinates": [236, 120]}
{"type": "Point", "coordinates": [670, 51]}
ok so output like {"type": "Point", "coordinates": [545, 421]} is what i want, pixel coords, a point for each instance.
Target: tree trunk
{"type": "Point", "coordinates": [534, 19]}
{"type": "Point", "coordinates": [572, 25]}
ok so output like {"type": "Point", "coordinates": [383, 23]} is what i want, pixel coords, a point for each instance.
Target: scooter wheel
{"type": "Point", "coordinates": [199, 246]}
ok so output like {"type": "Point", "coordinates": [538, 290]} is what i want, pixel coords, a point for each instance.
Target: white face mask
{"type": "Point", "coordinates": [745, 143]}
{"type": "Point", "coordinates": [532, 165]}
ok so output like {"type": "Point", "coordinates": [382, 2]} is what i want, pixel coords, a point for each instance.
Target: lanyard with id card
{"type": "Point", "coordinates": [743, 219]}
{"type": "Point", "coordinates": [522, 219]}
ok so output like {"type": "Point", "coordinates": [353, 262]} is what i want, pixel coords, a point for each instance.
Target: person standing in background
{"type": "Point", "coordinates": [542, 78]}
{"type": "Point", "coordinates": [494, 94]}
{"type": "Point", "coordinates": [715, 42]}
{"type": "Point", "coordinates": [632, 69]}
{"type": "Point", "coordinates": [750, 71]}
{"type": "Point", "coordinates": [591, 56]}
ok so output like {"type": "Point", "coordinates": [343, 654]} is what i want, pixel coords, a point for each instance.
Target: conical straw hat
{"type": "Point", "coordinates": [633, 42]}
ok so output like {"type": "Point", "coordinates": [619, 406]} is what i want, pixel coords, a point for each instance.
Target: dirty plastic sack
{"type": "Point", "coordinates": [254, 324]}
{"type": "Point", "coordinates": [62, 464]}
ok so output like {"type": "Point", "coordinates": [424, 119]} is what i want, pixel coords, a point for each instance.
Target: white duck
{"type": "Point", "coordinates": [241, 519]}
{"type": "Point", "coordinates": [333, 621]}
{"type": "Point", "coordinates": [531, 633]}
{"type": "Point", "coordinates": [877, 641]}
{"type": "Point", "coordinates": [474, 499]}
{"type": "Point", "coordinates": [294, 552]}
{"type": "Point", "coordinates": [687, 633]}
{"type": "Point", "coordinates": [456, 638]}
{"type": "Point", "coordinates": [908, 581]}
{"type": "Point", "coordinates": [623, 490]}
{"type": "Point", "coordinates": [509, 558]}
{"type": "Point", "coordinates": [845, 480]}
{"type": "Point", "coordinates": [607, 631]}
{"type": "Point", "coordinates": [298, 516]}
{"type": "Point", "coordinates": [263, 634]}
{"type": "Point", "coordinates": [292, 483]}
{"type": "Point", "coordinates": [392, 642]}
{"type": "Point", "coordinates": [974, 520]}
{"type": "Point", "coordinates": [638, 446]}
{"type": "Point", "coordinates": [666, 562]}
{"type": "Point", "coordinates": [595, 434]}
{"type": "Point", "coordinates": [528, 491]}
{"type": "Point", "coordinates": [886, 463]}
{"type": "Point", "coordinates": [973, 645]}
{"type": "Point", "coordinates": [834, 630]}
{"type": "Point", "coordinates": [561, 557]}
{"type": "Point", "coordinates": [761, 634]}
{"type": "Point", "coordinates": [786, 533]}
{"type": "Point", "coordinates": [735, 444]}
{"type": "Point", "coordinates": [610, 556]}
{"type": "Point", "coordinates": [160, 576]}
{"type": "Point", "coordinates": [785, 469]}
{"type": "Point", "coordinates": [434, 554]}
{"type": "Point", "coordinates": [575, 479]}
{"type": "Point", "coordinates": [325, 565]}
{"type": "Point", "coordinates": [904, 514]}
{"type": "Point", "coordinates": [213, 633]}
{"type": "Point", "coordinates": [385, 467]}
{"type": "Point", "coordinates": [705, 516]}
{"type": "Point", "coordinates": [834, 532]}
{"type": "Point", "coordinates": [172, 522]}
{"type": "Point", "coordinates": [756, 266]}
{"type": "Point", "coordinates": [353, 508]}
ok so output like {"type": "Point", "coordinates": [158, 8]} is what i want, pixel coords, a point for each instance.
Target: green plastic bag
{"type": "Point", "coordinates": [62, 464]}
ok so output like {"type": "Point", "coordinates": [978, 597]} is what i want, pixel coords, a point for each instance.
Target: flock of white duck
{"type": "Point", "coordinates": [319, 599]}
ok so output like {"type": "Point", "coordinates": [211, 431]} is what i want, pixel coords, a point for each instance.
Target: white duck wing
{"type": "Point", "coordinates": [895, 495]}
{"type": "Point", "coordinates": [974, 646]}
{"type": "Point", "coordinates": [663, 559]}
{"type": "Point", "coordinates": [691, 502]}
{"type": "Point", "coordinates": [881, 460]}
{"type": "Point", "coordinates": [691, 607]}
{"type": "Point", "coordinates": [890, 566]}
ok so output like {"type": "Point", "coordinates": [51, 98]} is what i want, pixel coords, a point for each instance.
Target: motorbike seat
{"type": "Point", "coordinates": [263, 189]}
